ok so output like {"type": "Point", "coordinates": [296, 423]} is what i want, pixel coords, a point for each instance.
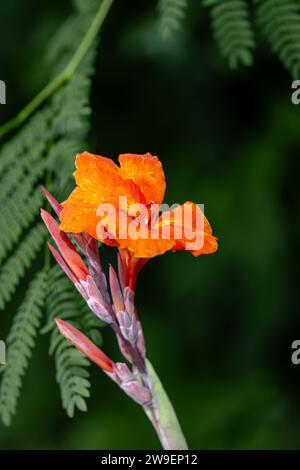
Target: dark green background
{"type": "Point", "coordinates": [219, 328]}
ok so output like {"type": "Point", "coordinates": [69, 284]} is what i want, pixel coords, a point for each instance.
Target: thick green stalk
{"type": "Point", "coordinates": [65, 75]}
{"type": "Point", "coordinates": [163, 416]}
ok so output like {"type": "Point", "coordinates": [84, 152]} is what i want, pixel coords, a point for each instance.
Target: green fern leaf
{"type": "Point", "coordinates": [20, 343]}
{"type": "Point", "coordinates": [47, 143]}
{"type": "Point", "coordinates": [45, 147]}
{"type": "Point", "coordinates": [17, 215]}
{"type": "Point", "coordinates": [172, 13]}
{"type": "Point", "coordinates": [232, 30]}
{"type": "Point", "coordinates": [280, 23]}
{"type": "Point", "coordinates": [15, 267]}
{"type": "Point", "coordinates": [71, 374]}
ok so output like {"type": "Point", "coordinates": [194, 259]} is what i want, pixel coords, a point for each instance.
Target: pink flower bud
{"type": "Point", "coordinates": [84, 345]}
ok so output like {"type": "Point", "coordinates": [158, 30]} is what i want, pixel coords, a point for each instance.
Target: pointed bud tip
{"type": "Point", "coordinates": [56, 206]}
{"type": "Point", "coordinates": [46, 216]}
{"type": "Point", "coordinates": [84, 345]}
{"type": "Point", "coordinates": [60, 324]}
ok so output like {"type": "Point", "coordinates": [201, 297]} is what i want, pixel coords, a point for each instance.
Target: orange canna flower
{"type": "Point", "coordinates": [121, 206]}
{"type": "Point", "coordinates": [139, 178]}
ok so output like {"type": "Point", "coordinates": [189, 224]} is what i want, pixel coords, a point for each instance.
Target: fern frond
{"type": "Point", "coordinates": [16, 215]}
{"type": "Point", "coordinates": [280, 23]}
{"type": "Point", "coordinates": [172, 13]}
{"type": "Point", "coordinates": [48, 142]}
{"type": "Point", "coordinates": [47, 145]}
{"type": "Point", "coordinates": [71, 374]}
{"type": "Point", "coordinates": [29, 169]}
{"type": "Point", "coordinates": [232, 30]}
{"type": "Point", "coordinates": [63, 45]}
{"type": "Point", "coordinates": [28, 144]}
{"type": "Point", "coordinates": [14, 269]}
{"type": "Point", "coordinates": [20, 343]}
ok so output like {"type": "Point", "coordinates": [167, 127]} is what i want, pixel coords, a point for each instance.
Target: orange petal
{"type": "Point", "coordinates": [146, 171]}
{"type": "Point", "coordinates": [189, 228]}
{"type": "Point", "coordinates": [148, 248]}
{"type": "Point", "coordinates": [79, 217]}
{"type": "Point", "coordinates": [98, 182]}
{"type": "Point", "coordinates": [96, 176]}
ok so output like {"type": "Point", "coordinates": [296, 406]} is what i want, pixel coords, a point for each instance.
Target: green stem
{"type": "Point", "coordinates": [162, 415]}
{"type": "Point", "coordinates": [65, 75]}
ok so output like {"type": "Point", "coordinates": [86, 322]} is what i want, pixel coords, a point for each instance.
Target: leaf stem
{"type": "Point", "coordinates": [65, 75]}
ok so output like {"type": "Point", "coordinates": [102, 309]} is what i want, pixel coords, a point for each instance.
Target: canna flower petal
{"type": "Point", "coordinates": [98, 182]}
{"type": "Point", "coordinates": [139, 178]}
{"type": "Point", "coordinates": [184, 228]}
{"type": "Point", "coordinates": [84, 345]}
{"type": "Point", "coordinates": [147, 172]}
{"type": "Point", "coordinates": [147, 248]}
{"type": "Point", "coordinates": [189, 229]}
{"type": "Point", "coordinates": [78, 217]}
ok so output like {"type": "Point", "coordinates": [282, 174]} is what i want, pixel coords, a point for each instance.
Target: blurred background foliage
{"type": "Point", "coordinates": [219, 329]}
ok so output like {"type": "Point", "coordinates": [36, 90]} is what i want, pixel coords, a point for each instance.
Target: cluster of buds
{"type": "Point", "coordinates": [113, 304]}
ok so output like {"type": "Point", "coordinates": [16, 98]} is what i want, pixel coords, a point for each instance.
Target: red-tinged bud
{"type": "Point", "coordinates": [116, 291]}
{"type": "Point", "coordinates": [59, 259]}
{"type": "Point", "coordinates": [56, 206]}
{"type": "Point", "coordinates": [85, 345]}
{"type": "Point", "coordinates": [121, 271]}
{"type": "Point", "coordinates": [65, 246]}
{"type": "Point", "coordinates": [129, 268]}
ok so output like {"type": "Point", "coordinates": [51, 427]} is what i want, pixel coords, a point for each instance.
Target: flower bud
{"type": "Point", "coordinates": [128, 326]}
{"type": "Point", "coordinates": [131, 386]}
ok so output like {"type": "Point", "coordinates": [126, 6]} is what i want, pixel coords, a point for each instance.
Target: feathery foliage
{"type": "Point", "coordinates": [20, 343]}
{"type": "Point", "coordinates": [233, 23]}
{"type": "Point", "coordinates": [232, 30]}
{"type": "Point", "coordinates": [172, 12]}
{"type": "Point", "coordinates": [71, 366]}
{"type": "Point", "coordinates": [71, 373]}
{"type": "Point", "coordinates": [14, 268]}
{"type": "Point", "coordinates": [280, 23]}
{"type": "Point", "coordinates": [43, 150]}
